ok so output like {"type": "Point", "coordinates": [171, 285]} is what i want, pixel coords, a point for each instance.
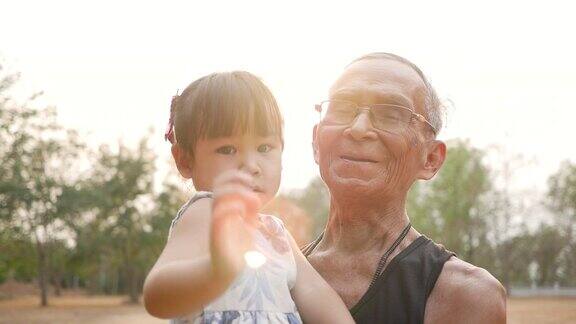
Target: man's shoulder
{"type": "Point", "coordinates": [459, 275]}
{"type": "Point", "coordinates": [466, 292]}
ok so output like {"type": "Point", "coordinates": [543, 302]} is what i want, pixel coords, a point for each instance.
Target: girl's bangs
{"type": "Point", "coordinates": [237, 105]}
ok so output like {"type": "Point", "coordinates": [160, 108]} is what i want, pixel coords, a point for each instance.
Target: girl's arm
{"type": "Point", "coordinates": [316, 301]}
{"type": "Point", "coordinates": [204, 253]}
{"type": "Point", "coordinates": [182, 279]}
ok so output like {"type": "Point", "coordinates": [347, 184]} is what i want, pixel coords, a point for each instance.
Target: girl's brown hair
{"type": "Point", "coordinates": [223, 104]}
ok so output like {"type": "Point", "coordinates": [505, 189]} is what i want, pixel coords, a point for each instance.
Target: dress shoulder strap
{"type": "Point", "coordinates": [199, 195]}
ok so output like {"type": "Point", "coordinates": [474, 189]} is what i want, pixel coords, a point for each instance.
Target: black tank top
{"type": "Point", "coordinates": [399, 295]}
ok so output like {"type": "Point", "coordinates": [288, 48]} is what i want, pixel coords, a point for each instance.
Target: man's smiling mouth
{"type": "Point", "coordinates": [356, 159]}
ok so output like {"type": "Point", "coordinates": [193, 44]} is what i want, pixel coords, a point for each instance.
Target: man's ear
{"type": "Point", "coordinates": [315, 143]}
{"type": "Point", "coordinates": [182, 160]}
{"type": "Point", "coordinates": [435, 156]}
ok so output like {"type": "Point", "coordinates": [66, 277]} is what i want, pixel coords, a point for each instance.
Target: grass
{"type": "Point", "coordinates": [115, 310]}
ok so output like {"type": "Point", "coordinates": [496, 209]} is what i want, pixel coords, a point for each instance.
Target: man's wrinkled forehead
{"type": "Point", "coordinates": [379, 80]}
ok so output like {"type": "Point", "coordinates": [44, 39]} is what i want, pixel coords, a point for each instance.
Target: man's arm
{"type": "Point", "coordinates": [466, 294]}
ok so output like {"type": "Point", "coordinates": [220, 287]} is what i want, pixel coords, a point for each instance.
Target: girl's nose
{"type": "Point", "coordinates": [249, 164]}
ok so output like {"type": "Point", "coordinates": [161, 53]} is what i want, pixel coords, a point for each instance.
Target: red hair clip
{"type": "Point", "coordinates": [169, 133]}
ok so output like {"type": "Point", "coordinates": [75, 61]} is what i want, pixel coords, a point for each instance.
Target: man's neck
{"type": "Point", "coordinates": [363, 226]}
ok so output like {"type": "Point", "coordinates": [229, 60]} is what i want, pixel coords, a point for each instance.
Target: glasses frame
{"type": "Point", "coordinates": [369, 107]}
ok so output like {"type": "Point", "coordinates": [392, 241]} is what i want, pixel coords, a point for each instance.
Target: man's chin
{"type": "Point", "coordinates": [352, 179]}
{"type": "Point", "coordinates": [345, 172]}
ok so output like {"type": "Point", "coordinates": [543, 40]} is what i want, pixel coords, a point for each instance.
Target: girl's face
{"type": "Point", "coordinates": [260, 156]}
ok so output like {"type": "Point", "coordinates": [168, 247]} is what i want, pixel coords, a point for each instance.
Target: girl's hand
{"type": "Point", "coordinates": [234, 219]}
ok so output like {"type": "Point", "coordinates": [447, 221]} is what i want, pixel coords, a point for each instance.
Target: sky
{"type": "Point", "coordinates": [505, 69]}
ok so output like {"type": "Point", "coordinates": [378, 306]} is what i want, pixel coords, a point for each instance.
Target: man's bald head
{"type": "Point", "coordinates": [434, 110]}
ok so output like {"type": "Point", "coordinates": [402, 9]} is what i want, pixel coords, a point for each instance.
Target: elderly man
{"type": "Point", "coordinates": [375, 138]}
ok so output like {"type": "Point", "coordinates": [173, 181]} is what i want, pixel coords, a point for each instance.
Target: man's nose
{"type": "Point", "coordinates": [361, 128]}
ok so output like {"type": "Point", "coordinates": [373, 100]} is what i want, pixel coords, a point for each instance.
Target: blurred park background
{"type": "Point", "coordinates": [88, 190]}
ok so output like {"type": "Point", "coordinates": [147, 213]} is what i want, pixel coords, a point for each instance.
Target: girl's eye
{"type": "Point", "coordinates": [228, 149]}
{"type": "Point", "coordinates": [264, 148]}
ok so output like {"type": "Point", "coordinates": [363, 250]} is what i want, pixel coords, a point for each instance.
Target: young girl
{"type": "Point", "coordinates": [226, 135]}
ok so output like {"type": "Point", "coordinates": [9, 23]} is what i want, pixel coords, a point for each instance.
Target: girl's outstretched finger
{"type": "Point", "coordinates": [252, 204]}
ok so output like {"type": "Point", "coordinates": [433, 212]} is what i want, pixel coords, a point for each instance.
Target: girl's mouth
{"type": "Point", "coordinates": [257, 189]}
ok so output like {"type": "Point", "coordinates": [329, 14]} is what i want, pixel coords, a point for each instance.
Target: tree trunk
{"type": "Point", "coordinates": [42, 273]}
{"type": "Point", "coordinates": [75, 282]}
{"type": "Point", "coordinates": [57, 282]}
{"type": "Point", "coordinates": [115, 282]}
{"type": "Point", "coordinates": [133, 284]}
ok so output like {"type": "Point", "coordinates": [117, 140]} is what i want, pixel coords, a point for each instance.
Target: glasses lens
{"type": "Point", "coordinates": [338, 112]}
{"type": "Point", "coordinates": [390, 118]}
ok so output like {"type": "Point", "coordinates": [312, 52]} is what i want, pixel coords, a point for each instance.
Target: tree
{"type": "Point", "coordinates": [121, 183]}
{"type": "Point", "coordinates": [167, 204]}
{"type": "Point", "coordinates": [12, 263]}
{"type": "Point", "coordinates": [548, 245]}
{"type": "Point", "coordinates": [562, 196]}
{"type": "Point", "coordinates": [512, 260]}
{"type": "Point", "coordinates": [511, 243]}
{"type": "Point", "coordinates": [38, 155]}
{"type": "Point", "coordinates": [562, 201]}
{"type": "Point", "coordinates": [421, 215]}
{"type": "Point", "coordinates": [453, 205]}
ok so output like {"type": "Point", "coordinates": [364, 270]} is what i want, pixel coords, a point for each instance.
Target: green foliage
{"type": "Point", "coordinates": [452, 207]}
{"type": "Point", "coordinates": [12, 264]}
{"type": "Point", "coordinates": [121, 190]}
{"type": "Point", "coordinates": [548, 244]}
{"type": "Point", "coordinates": [168, 201]}
{"type": "Point", "coordinates": [512, 258]}
{"type": "Point", "coordinates": [562, 202]}
{"type": "Point", "coordinates": [562, 194]}
{"type": "Point", "coordinates": [37, 156]}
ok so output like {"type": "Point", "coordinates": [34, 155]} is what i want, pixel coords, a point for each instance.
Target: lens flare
{"type": "Point", "coordinates": [254, 259]}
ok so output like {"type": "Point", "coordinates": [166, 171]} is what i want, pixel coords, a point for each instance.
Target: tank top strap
{"type": "Point", "coordinates": [308, 248]}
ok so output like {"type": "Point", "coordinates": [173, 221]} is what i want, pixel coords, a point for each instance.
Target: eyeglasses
{"type": "Point", "coordinates": [386, 117]}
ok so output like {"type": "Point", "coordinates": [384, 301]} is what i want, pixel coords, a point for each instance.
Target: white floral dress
{"type": "Point", "coordinates": [259, 295]}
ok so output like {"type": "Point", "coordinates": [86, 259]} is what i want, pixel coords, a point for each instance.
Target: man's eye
{"type": "Point", "coordinates": [228, 149]}
{"type": "Point", "coordinates": [264, 148]}
{"type": "Point", "coordinates": [341, 111]}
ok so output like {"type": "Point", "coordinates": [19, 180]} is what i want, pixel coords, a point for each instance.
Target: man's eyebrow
{"type": "Point", "coordinates": [395, 99]}
{"type": "Point", "coordinates": [342, 94]}
{"type": "Point", "coordinates": [383, 98]}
